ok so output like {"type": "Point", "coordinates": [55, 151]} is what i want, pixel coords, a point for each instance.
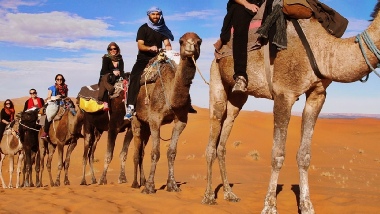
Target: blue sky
{"type": "Point", "coordinates": [41, 38]}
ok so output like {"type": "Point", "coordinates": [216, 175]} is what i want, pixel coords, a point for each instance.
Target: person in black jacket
{"type": "Point", "coordinates": [7, 116]}
{"type": "Point", "coordinates": [239, 15]}
{"type": "Point", "coordinates": [113, 65]}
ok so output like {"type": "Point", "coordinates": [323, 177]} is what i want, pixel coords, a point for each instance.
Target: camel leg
{"type": "Point", "coordinates": [87, 141]}
{"type": "Point", "coordinates": [281, 112]}
{"type": "Point", "coordinates": [69, 150]}
{"type": "Point", "coordinates": [314, 103]}
{"type": "Point", "coordinates": [233, 108]}
{"type": "Point", "coordinates": [40, 162]}
{"type": "Point", "coordinates": [11, 168]}
{"type": "Point", "coordinates": [155, 157]}
{"type": "Point", "coordinates": [179, 126]}
{"type": "Point", "coordinates": [141, 137]}
{"type": "Point", "coordinates": [123, 155]}
{"type": "Point", "coordinates": [28, 168]}
{"type": "Point", "coordinates": [1, 170]}
{"type": "Point", "coordinates": [51, 150]}
{"type": "Point", "coordinates": [112, 134]}
{"type": "Point", "coordinates": [60, 164]}
{"type": "Point", "coordinates": [91, 155]}
{"type": "Point", "coordinates": [218, 106]}
{"type": "Point", "coordinates": [19, 165]}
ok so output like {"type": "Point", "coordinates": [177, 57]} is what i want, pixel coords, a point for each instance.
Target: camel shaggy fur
{"type": "Point", "coordinates": [169, 101]}
{"type": "Point", "coordinates": [339, 60]}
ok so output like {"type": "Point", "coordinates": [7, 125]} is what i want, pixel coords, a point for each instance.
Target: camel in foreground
{"type": "Point", "coordinates": [164, 101]}
{"type": "Point", "coordinates": [11, 146]}
{"type": "Point", "coordinates": [339, 60]}
{"type": "Point", "coordinates": [64, 131]}
{"type": "Point", "coordinates": [113, 122]}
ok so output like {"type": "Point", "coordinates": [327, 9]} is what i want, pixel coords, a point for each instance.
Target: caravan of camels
{"type": "Point", "coordinates": [164, 98]}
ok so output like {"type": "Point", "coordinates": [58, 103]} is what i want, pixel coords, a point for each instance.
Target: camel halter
{"type": "Point", "coordinates": [199, 70]}
{"type": "Point", "coordinates": [37, 130]}
{"type": "Point", "coordinates": [372, 47]}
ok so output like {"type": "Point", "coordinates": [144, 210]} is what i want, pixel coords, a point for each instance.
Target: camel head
{"type": "Point", "coordinates": [190, 44]}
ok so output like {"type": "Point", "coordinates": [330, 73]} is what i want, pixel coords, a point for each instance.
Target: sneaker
{"type": "Point", "coordinates": [105, 106]}
{"type": "Point", "coordinates": [192, 110]}
{"type": "Point", "coordinates": [44, 135]}
{"type": "Point", "coordinates": [129, 113]}
{"type": "Point", "coordinates": [240, 84]}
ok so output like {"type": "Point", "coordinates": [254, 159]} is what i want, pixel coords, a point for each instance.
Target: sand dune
{"type": "Point", "coordinates": [344, 175]}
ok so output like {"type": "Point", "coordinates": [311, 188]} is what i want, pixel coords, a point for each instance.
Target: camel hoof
{"type": "Point", "coordinates": [94, 181]}
{"type": "Point", "coordinates": [57, 183]}
{"type": "Point", "coordinates": [83, 182]}
{"type": "Point", "coordinates": [67, 182]}
{"type": "Point", "coordinates": [135, 185]}
{"type": "Point", "coordinates": [209, 199]}
{"type": "Point", "coordinates": [31, 185]}
{"type": "Point", "coordinates": [149, 188]}
{"type": "Point", "coordinates": [172, 187]}
{"type": "Point", "coordinates": [102, 181]}
{"type": "Point", "coordinates": [122, 179]}
{"type": "Point", "coordinates": [306, 207]}
{"type": "Point", "coordinates": [231, 197]}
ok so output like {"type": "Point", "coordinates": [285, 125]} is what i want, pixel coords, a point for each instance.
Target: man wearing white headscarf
{"type": "Point", "coordinates": [150, 37]}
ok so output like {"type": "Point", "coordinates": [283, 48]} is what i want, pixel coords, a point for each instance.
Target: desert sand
{"type": "Point", "coordinates": [343, 176]}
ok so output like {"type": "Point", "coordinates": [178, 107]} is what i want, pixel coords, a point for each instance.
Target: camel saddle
{"type": "Point", "coordinates": [89, 95]}
{"type": "Point", "coordinates": [155, 65]}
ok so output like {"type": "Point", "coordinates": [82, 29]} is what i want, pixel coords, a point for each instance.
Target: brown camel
{"type": "Point", "coordinates": [28, 132]}
{"type": "Point", "coordinates": [11, 146]}
{"type": "Point", "coordinates": [64, 131]}
{"type": "Point", "coordinates": [169, 101]}
{"type": "Point", "coordinates": [113, 122]}
{"type": "Point", "coordinates": [339, 60]}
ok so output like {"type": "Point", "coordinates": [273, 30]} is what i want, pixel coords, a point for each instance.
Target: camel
{"type": "Point", "coordinates": [28, 132]}
{"type": "Point", "coordinates": [339, 60]}
{"type": "Point", "coordinates": [11, 146]}
{"type": "Point", "coordinates": [65, 131]}
{"type": "Point", "coordinates": [113, 122]}
{"type": "Point", "coordinates": [162, 102]}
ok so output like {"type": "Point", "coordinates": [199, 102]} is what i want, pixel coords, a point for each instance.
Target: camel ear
{"type": "Point", "coordinates": [199, 42]}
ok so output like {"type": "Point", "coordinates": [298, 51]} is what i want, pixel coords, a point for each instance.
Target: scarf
{"type": "Point", "coordinates": [11, 112]}
{"type": "Point", "coordinates": [62, 89]}
{"type": "Point", "coordinates": [31, 103]}
{"type": "Point", "coordinates": [115, 58]}
{"type": "Point", "coordinates": [160, 27]}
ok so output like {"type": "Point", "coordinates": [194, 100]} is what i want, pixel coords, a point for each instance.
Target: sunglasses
{"type": "Point", "coordinates": [7, 103]}
{"type": "Point", "coordinates": [33, 93]}
{"type": "Point", "coordinates": [112, 49]}
{"type": "Point", "coordinates": [58, 79]}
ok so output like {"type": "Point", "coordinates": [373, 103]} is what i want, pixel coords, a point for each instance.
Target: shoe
{"type": "Point", "coordinates": [44, 135]}
{"type": "Point", "coordinates": [105, 106]}
{"type": "Point", "coordinates": [192, 110]}
{"type": "Point", "coordinates": [129, 113]}
{"type": "Point", "coordinates": [240, 84]}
